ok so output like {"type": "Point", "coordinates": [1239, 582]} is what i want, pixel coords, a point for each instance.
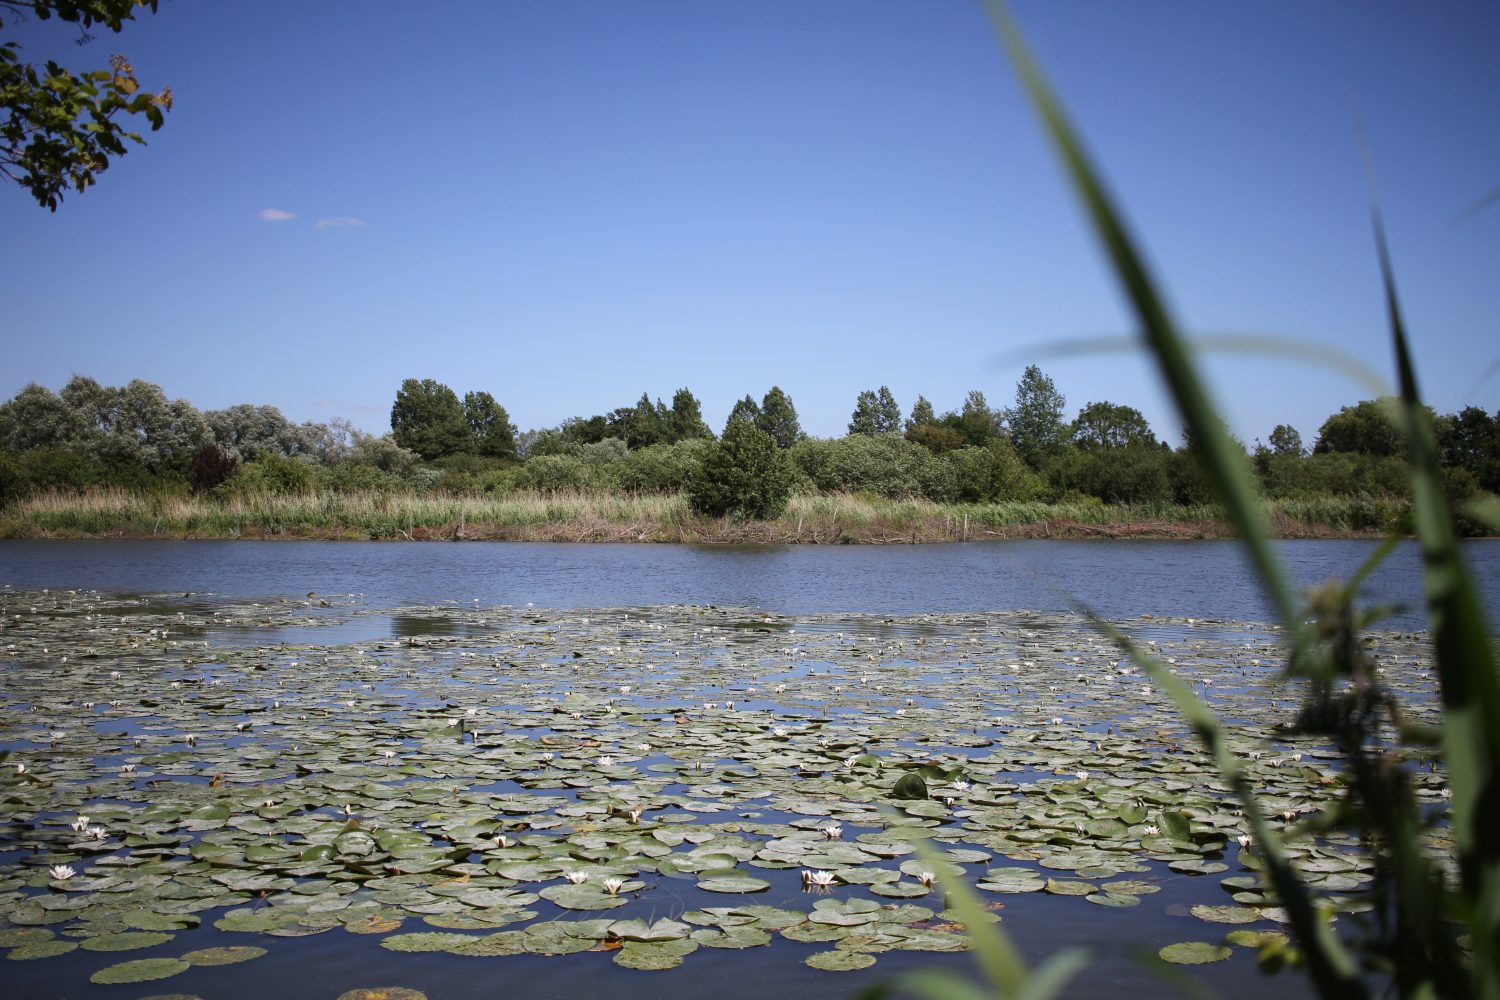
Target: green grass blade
{"type": "Point", "coordinates": [1465, 658]}
{"type": "Point", "coordinates": [998, 958]}
{"type": "Point", "coordinates": [1328, 962]}
{"type": "Point", "coordinates": [1220, 458]}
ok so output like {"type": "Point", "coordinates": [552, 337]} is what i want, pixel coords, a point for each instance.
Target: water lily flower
{"type": "Point", "coordinates": [191, 739]}
{"type": "Point", "coordinates": [62, 872]}
{"type": "Point", "coordinates": [613, 885]}
{"type": "Point", "coordinates": [1244, 840]}
{"type": "Point", "coordinates": [833, 831]}
{"type": "Point", "coordinates": [962, 786]}
{"type": "Point", "coordinates": [548, 755]}
{"type": "Point", "coordinates": [925, 878]}
{"type": "Point", "coordinates": [636, 812]}
{"type": "Point", "coordinates": [127, 768]}
{"type": "Point", "coordinates": [1152, 830]}
{"type": "Point", "coordinates": [98, 832]}
{"type": "Point", "coordinates": [577, 878]}
{"type": "Point", "coordinates": [818, 879]}
{"type": "Point", "coordinates": [1083, 776]}
{"type": "Point", "coordinates": [501, 840]}
{"type": "Point", "coordinates": [606, 761]}
{"type": "Point", "coordinates": [778, 732]}
{"type": "Point", "coordinates": [80, 824]}
{"type": "Point", "coordinates": [624, 688]}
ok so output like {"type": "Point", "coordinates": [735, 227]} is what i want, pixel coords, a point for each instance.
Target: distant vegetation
{"type": "Point", "coordinates": [95, 440]}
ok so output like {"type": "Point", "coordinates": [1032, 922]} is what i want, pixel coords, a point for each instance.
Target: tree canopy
{"type": "Point", "coordinates": [875, 413]}
{"type": "Point", "coordinates": [778, 418]}
{"type": "Point", "coordinates": [428, 419]}
{"type": "Point", "coordinates": [60, 128]}
{"type": "Point", "coordinates": [1036, 421]}
{"type": "Point", "coordinates": [1109, 425]}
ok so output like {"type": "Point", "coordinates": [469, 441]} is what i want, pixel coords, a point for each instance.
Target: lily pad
{"type": "Point", "coordinates": [223, 955]}
{"type": "Point", "coordinates": [839, 961]}
{"type": "Point", "coordinates": [1194, 953]}
{"type": "Point", "coordinates": [140, 971]}
{"type": "Point", "coordinates": [125, 941]}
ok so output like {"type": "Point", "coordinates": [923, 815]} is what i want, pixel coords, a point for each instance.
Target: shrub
{"type": "Point", "coordinates": [210, 467]}
{"type": "Point", "coordinates": [745, 474]}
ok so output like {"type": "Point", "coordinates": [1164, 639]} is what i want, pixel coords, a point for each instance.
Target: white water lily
{"type": "Point", "coordinates": [606, 761]}
{"type": "Point", "coordinates": [962, 786]}
{"type": "Point", "coordinates": [577, 878]}
{"type": "Point", "coordinates": [1244, 840]}
{"type": "Point", "coordinates": [191, 739]}
{"type": "Point", "coordinates": [548, 755]}
{"type": "Point", "coordinates": [819, 879]}
{"type": "Point", "coordinates": [1152, 830]}
{"type": "Point", "coordinates": [1083, 776]}
{"type": "Point", "coordinates": [778, 732]}
{"type": "Point", "coordinates": [21, 769]}
{"type": "Point", "coordinates": [501, 840]}
{"type": "Point", "coordinates": [80, 824]}
{"type": "Point", "coordinates": [613, 885]}
{"type": "Point", "coordinates": [832, 831]}
{"type": "Point", "coordinates": [925, 878]}
{"type": "Point", "coordinates": [636, 812]}
{"type": "Point", "coordinates": [62, 872]}
{"type": "Point", "coordinates": [127, 768]}
{"type": "Point", "coordinates": [98, 832]}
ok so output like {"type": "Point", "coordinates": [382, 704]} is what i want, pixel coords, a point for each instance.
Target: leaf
{"type": "Point", "coordinates": [734, 884]}
{"type": "Point", "coordinates": [839, 961]}
{"type": "Point", "coordinates": [910, 786]}
{"type": "Point", "coordinates": [223, 955]}
{"type": "Point", "coordinates": [125, 941]}
{"type": "Point", "coordinates": [140, 971]}
{"type": "Point", "coordinates": [1194, 953]}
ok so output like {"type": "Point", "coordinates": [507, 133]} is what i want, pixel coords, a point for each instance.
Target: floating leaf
{"type": "Point", "coordinates": [223, 955]}
{"type": "Point", "coordinates": [140, 971]}
{"type": "Point", "coordinates": [839, 961]}
{"type": "Point", "coordinates": [1194, 953]}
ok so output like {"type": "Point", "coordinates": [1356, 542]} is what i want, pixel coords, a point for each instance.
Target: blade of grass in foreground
{"type": "Point", "coordinates": [1328, 962]}
{"type": "Point", "coordinates": [1465, 664]}
{"type": "Point", "coordinates": [1219, 457]}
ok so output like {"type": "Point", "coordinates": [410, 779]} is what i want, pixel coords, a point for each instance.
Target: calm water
{"type": "Point", "coordinates": [1202, 579]}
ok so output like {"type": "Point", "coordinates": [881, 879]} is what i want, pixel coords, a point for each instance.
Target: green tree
{"type": "Point", "coordinates": [921, 414]}
{"type": "Point", "coordinates": [490, 430]}
{"type": "Point", "coordinates": [1470, 440]}
{"type": "Point", "coordinates": [685, 421]}
{"type": "Point", "coordinates": [778, 418]}
{"type": "Point", "coordinates": [1286, 441]}
{"type": "Point", "coordinates": [744, 409]}
{"type": "Point", "coordinates": [1110, 425]}
{"type": "Point", "coordinates": [1036, 423]}
{"type": "Point", "coordinates": [428, 419]}
{"type": "Point", "coordinates": [1364, 427]}
{"type": "Point", "coordinates": [875, 413]}
{"type": "Point", "coordinates": [745, 474]}
{"type": "Point", "coordinates": [60, 128]}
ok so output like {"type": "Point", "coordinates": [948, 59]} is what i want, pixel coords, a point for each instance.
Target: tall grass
{"type": "Point", "coordinates": [1413, 941]}
{"type": "Point", "coordinates": [593, 516]}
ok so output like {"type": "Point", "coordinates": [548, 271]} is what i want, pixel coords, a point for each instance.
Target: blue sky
{"type": "Point", "coordinates": [570, 203]}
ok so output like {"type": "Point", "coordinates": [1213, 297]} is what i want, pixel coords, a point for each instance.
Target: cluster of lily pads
{"type": "Point", "coordinates": [505, 780]}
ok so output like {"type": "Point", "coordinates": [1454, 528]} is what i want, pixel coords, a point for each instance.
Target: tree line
{"type": "Point", "coordinates": [89, 435]}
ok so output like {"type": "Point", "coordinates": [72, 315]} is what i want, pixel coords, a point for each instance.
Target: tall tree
{"type": "Point", "coordinates": [778, 418]}
{"type": "Point", "coordinates": [1364, 427]}
{"type": "Point", "coordinates": [58, 129]}
{"type": "Point", "coordinates": [428, 419]}
{"type": "Point", "coordinates": [685, 421]}
{"type": "Point", "coordinates": [744, 409]}
{"type": "Point", "coordinates": [646, 423]}
{"type": "Point", "coordinates": [1286, 441]}
{"type": "Point", "coordinates": [921, 414]}
{"type": "Point", "coordinates": [875, 413]}
{"type": "Point", "coordinates": [490, 431]}
{"type": "Point", "coordinates": [1036, 423]}
{"type": "Point", "coordinates": [1110, 425]}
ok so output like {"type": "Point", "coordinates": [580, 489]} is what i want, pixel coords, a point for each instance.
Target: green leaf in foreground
{"type": "Point", "coordinates": [228, 955]}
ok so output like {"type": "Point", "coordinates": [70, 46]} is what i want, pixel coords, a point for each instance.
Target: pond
{"type": "Point", "coordinates": [394, 789]}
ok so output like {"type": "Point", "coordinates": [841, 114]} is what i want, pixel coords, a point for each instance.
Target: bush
{"type": "Point", "coordinates": [210, 467]}
{"type": "Point", "coordinates": [745, 475]}
{"type": "Point", "coordinates": [661, 468]}
{"type": "Point", "coordinates": [275, 474]}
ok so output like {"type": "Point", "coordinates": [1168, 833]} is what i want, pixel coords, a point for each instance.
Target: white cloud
{"type": "Point", "coordinates": [274, 215]}
{"type": "Point", "coordinates": [343, 220]}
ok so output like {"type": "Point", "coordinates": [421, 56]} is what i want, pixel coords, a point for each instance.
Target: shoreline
{"type": "Point", "coordinates": [578, 518]}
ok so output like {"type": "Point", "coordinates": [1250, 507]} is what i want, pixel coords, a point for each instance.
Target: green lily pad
{"type": "Point", "coordinates": [223, 955]}
{"type": "Point", "coordinates": [733, 884]}
{"type": "Point", "coordinates": [1194, 953]}
{"type": "Point", "coordinates": [140, 971]}
{"type": "Point", "coordinates": [40, 949]}
{"type": "Point", "coordinates": [1226, 914]}
{"type": "Point", "coordinates": [14, 937]}
{"type": "Point", "coordinates": [126, 941]}
{"type": "Point", "coordinates": [839, 961]}
{"type": "Point", "coordinates": [382, 993]}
